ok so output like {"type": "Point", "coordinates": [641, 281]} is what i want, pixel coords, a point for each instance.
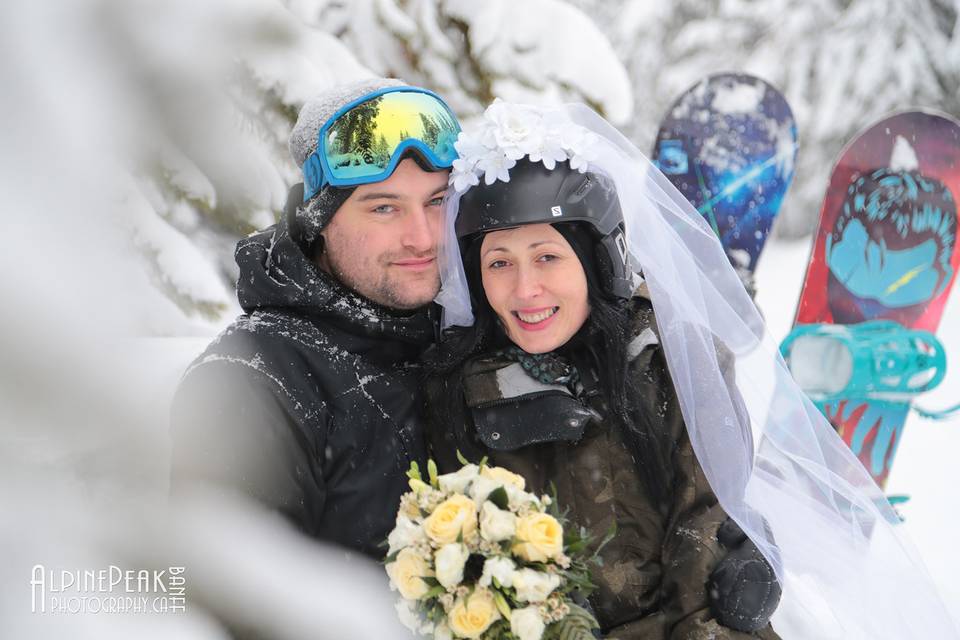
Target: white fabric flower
{"type": "Point", "coordinates": [496, 524]}
{"type": "Point", "coordinates": [549, 151]}
{"type": "Point", "coordinates": [500, 568]}
{"type": "Point", "coordinates": [526, 623]}
{"type": "Point", "coordinates": [517, 129]}
{"type": "Point", "coordinates": [404, 534]}
{"type": "Point", "coordinates": [534, 586]}
{"type": "Point", "coordinates": [469, 146]}
{"type": "Point", "coordinates": [495, 166]}
{"type": "Point", "coordinates": [449, 563]}
{"type": "Point", "coordinates": [509, 132]}
{"type": "Point", "coordinates": [457, 481]}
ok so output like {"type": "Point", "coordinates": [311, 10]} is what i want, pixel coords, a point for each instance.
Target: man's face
{"type": "Point", "coordinates": [382, 242]}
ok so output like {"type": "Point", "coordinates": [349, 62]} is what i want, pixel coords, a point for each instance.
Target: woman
{"type": "Point", "coordinates": [558, 367]}
{"type": "Point", "coordinates": [561, 378]}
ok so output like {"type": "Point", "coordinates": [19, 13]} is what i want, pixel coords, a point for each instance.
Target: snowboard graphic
{"type": "Point", "coordinates": [728, 144]}
{"type": "Point", "coordinates": [885, 250]}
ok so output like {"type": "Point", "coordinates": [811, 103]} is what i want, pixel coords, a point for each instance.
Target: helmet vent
{"type": "Point", "coordinates": [584, 187]}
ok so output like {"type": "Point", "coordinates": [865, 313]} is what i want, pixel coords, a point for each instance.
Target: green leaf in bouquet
{"type": "Point", "coordinates": [502, 605]}
{"type": "Point", "coordinates": [433, 592]}
{"type": "Point", "coordinates": [432, 472]}
{"type": "Point", "coordinates": [483, 462]}
{"type": "Point", "coordinates": [414, 472]}
{"type": "Point", "coordinates": [430, 581]}
{"type": "Point", "coordinates": [499, 498]}
{"type": "Point", "coordinates": [391, 557]}
{"type": "Point", "coordinates": [462, 459]}
{"type": "Point", "coordinates": [576, 625]}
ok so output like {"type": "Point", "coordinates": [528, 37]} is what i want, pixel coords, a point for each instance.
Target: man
{"type": "Point", "coordinates": [308, 401]}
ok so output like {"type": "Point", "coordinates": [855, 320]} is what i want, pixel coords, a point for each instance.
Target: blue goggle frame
{"type": "Point", "coordinates": [317, 172]}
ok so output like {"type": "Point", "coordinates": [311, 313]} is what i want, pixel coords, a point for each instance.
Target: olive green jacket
{"type": "Point", "coordinates": [652, 583]}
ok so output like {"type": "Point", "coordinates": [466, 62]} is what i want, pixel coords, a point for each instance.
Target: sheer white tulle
{"type": "Point", "coordinates": [830, 534]}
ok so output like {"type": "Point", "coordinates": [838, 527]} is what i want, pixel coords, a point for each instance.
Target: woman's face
{"type": "Point", "coordinates": [536, 285]}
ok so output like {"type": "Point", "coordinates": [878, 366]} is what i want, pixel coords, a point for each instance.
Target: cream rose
{"type": "Point", "coordinates": [496, 524]}
{"type": "Point", "coordinates": [534, 586]}
{"type": "Point", "coordinates": [473, 615]}
{"type": "Point", "coordinates": [449, 563]}
{"type": "Point", "coordinates": [407, 573]}
{"type": "Point", "coordinates": [457, 482]}
{"type": "Point", "coordinates": [526, 623]}
{"type": "Point", "coordinates": [504, 477]}
{"type": "Point", "coordinates": [455, 515]}
{"type": "Point", "coordinates": [539, 537]}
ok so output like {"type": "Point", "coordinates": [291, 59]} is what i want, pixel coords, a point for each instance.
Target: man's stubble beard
{"type": "Point", "coordinates": [385, 290]}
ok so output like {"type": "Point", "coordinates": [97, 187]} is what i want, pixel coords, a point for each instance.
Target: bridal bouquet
{"type": "Point", "coordinates": [473, 555]}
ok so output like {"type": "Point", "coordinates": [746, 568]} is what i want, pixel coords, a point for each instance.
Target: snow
{"type": "Point", "coordinates": [739, 98]}
{"type": "Point", "coordinates": [903, 157]}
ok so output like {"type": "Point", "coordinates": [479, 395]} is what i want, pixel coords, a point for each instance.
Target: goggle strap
{"type": "Point", "coordinates": [313, 175]}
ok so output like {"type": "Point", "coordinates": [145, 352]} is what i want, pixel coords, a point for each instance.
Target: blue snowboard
{"type": "Point", "coordinates": [729, 144]}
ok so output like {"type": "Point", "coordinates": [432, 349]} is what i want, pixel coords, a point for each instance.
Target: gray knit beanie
{"type": "Point", "coordinates": [316, 213]}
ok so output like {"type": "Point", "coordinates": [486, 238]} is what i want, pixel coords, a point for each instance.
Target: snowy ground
{"type": "Point", "coordinates": [927, 448]}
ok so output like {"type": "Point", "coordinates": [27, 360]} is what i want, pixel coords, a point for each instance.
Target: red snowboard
{"type": "Point", "coordinates": [886, 249]}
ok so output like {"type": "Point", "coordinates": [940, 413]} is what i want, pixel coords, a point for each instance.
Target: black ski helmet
{"type": "Point", "coordinates": [536, 194]}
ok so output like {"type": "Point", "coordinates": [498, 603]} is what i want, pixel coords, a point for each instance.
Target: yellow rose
{"type": "Point", "coordinates": [503, 476]}
{"type": "Point", "coordinates": [454, 515]}
{"type": "Point", "coordinates": [539, 537]}
{"type": "Point", "coordinates": [407, 573]}
{"type": "Point", "coordinates": [470, 617]}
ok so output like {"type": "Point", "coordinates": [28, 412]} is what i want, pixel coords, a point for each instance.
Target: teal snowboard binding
{"type": "Point", "coordinates": [878, 360]}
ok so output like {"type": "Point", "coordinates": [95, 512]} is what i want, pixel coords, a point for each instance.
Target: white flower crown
{"type": "Point", "coordinates": [507, 133]}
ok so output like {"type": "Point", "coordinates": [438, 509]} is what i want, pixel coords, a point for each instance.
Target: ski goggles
{"type": "Point", "coordinates": [364, 141]}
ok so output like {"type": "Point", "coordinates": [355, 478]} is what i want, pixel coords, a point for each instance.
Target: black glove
{"type": "Point", "coordinates": [743, 589]}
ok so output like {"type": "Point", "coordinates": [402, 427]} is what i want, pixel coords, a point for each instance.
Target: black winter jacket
{"type": "Point", "coordinates": [308, 402]}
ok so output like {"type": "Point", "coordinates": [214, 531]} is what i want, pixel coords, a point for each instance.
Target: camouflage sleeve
{"type": "Point", "coordinates": [691, 550]}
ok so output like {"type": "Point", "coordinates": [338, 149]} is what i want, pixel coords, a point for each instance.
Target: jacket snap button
{"type": "Point", "coordinates": [495, 435]}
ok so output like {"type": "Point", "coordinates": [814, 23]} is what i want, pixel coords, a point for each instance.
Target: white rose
{"type": "Point", "coordinates": [408, 615]}
{"type": "Point", "coordinates": [406, 533]}
{"type": "Point", "coordinates": [496, 524]}
{"type": "Point", "coordinates": [457, 481]}
{"type": "Point", "coordinates": [482, 487]}
{"type": "Point", "coordinates": [500, 568]}
{"type": "Point", "coordinates": [504, 476]}
{"type": "Point", "coordinates": [449, 563]}
{"type": "Point", "coordinates": [526, 623]}
{"type": "Point", "coordinates": [534, 586]}
{"type": "Point", "coordinates": [442, 632]}
{"type": "Point", "coordinates": [518, 497]}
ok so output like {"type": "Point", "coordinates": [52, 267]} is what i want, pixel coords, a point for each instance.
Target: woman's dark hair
{"type": "Point", "coordinates": [602, 341]}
